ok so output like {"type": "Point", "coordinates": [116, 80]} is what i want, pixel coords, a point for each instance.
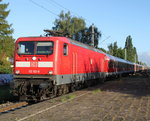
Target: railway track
{"type": "Point", "coordinates": [8, 107]}
{"type": "Point", "coordinates": [12, 107]}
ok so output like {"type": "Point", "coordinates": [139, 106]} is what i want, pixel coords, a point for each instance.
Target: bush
{"type": "Point", "coordinates": [5, 70]}
{"type": "Point", "coordinates": [5, 67]}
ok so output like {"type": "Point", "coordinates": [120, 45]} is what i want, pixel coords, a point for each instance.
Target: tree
{"type": "Point", "coordinates": [135, 55]}
{"type": "Point", "coordinates": [102, 49]}
{"type": "Point", "coordinates": [68, 24]}
{"type": "Point", "coordinates": [115, 51]}
{"type": "Point", "coordinates": [110, 49]}
{"type": "Point", "coordinates": [6, 40]}
{"type": "Point", "coordinates": [120, 53]}
{"type": "Point", "coordinates": [75, 28]}
{"type": "Point", "coordinates": [131, 50]}
{"type": "Point", "coordinates": [97, 34]}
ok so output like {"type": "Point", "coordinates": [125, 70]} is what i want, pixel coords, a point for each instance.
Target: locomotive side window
{"type": "Point", "coordinates": [65, 49]}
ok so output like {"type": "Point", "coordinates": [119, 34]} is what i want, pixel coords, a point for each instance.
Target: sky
{"type": "Point", "coordinates": [116, 19]}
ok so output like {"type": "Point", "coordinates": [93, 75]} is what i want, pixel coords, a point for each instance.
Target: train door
{"type": "Point", "coordinates": [65, 59]}
{"type": "Point", "coordinates": [74, 65]}
{"type": "Point", "coordinates": [102, 64]}
{"type": "Point", "coordinates": [106, 64]}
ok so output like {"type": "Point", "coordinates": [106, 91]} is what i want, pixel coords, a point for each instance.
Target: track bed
{"type": "Point", "coordinates": [122, 99]}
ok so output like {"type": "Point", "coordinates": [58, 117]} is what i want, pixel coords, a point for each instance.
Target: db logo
{"type": "Point", "coordinates": [33, 64]}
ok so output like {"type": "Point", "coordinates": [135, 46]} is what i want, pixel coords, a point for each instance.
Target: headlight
{"type": "Point", "coordinates": [50, 72]}
{"type": "Point", "coordinates": [17, 72]}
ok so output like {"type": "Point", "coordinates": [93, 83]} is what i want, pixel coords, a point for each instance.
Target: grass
{"type": "Point", "coordinates": [5, 94]}
{"type": "Point", "coordinates": [67, 97]}
{"type": "Point", "coordinates": [96, 91]}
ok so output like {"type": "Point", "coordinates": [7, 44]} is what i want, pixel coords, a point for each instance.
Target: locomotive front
{"type": "Point", "coordinates": [34, 68]}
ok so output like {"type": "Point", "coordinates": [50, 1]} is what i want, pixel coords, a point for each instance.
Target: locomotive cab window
{"type": "Point", "coordinates": [35, 48]}
{"type": "Point", "coordinates": [65, 49]}
{"type": "Point", "coordinates": [26, 48]}
{"type": "Point", "coordinates": [45, 48]}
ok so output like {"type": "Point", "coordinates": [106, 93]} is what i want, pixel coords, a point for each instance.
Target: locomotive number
{"type": "Point", "coordinates": [34, 71]}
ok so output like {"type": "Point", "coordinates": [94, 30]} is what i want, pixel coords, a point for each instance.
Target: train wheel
{"type": "Point", "coordinates": [102, 80]}
{"type": "Point", "coordinates": [65, 89]}
{"type": "Point", "coordinates": [119, 75]}
{"type": "Point", "coordinates": [54, 92]}
{"type": "Point", "coordinates": [87, 83]}
{"type": "Point", "coordinates": [60, 91]}
{"type": "Point", "coordinates": [73, 87]}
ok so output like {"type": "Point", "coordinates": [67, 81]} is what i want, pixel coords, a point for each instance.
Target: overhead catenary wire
{"type": "Point", "coordinates": [105, 39]}
{"type": "Point", "coordinates": [56, 3]}
{"type": "Point", "coordinates": [35, 3]}
{"type": "Point", "coordinates": [61, 6]}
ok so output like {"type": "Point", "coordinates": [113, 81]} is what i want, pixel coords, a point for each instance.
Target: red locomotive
{"type": "Point", "coordinates": [50, 66]}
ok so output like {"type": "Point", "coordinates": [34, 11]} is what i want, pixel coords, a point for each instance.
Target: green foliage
{"type": "Point", "coordinates": [141, 63]}
{"type": "Point", "coordinates": [131, 50]}
{"type": "Point", "coordinates": [87, 38]}
{"type": "Point", "coordinates": [5, 28]}
{"type": "Point", "coordinates": [6, 40]}
{"type": "Point", "coordinates": [67, 97]}
{"type": "Point", "coordinates": [76, 29]}
{"type": "Point", "coordinates": [68, 24]}
{"type": "Point", "coordinates": [115, 51]}
{"type": "Point", "coordinates": [110, 49]}
{"type": "Point", "coordinates": [5, 67]}
{"type": "Point", "coordinates": [102, 49]}
{"type": "Point", "coordinates": [96, 91]}
{"type": "Point", "coordinates": [120, 53]}
{"type": "Point", "coordinates": [7, 46]}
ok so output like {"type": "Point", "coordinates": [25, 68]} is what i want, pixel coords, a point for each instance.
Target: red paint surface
{"type": "Point", "coordinates": [79, 60]}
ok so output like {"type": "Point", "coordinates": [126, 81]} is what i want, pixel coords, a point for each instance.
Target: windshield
{"type": "Point", "coordinates": [35, 48]}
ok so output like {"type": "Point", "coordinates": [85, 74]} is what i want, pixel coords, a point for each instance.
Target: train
{"type": "Point", "coordinates": [46, 67]}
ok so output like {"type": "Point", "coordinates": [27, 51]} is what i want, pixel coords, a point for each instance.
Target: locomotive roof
{"type": "Point", "coordinates": [97, 50]}
{"type": "Point", "coordinates": [36, 38]}
{"type": "Point", "coordinates": [85, 46]}
{"type": "Point", "coordinates": [119, 59]}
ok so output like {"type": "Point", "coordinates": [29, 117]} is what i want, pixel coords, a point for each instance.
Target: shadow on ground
{"type": "Point", "coordinates": [136, 85]}
{"type": "Point", "coordinates": [5, 94]}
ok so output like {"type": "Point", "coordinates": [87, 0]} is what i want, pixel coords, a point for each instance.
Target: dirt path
{"type": "Point", "coordinates": [126, 99]}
